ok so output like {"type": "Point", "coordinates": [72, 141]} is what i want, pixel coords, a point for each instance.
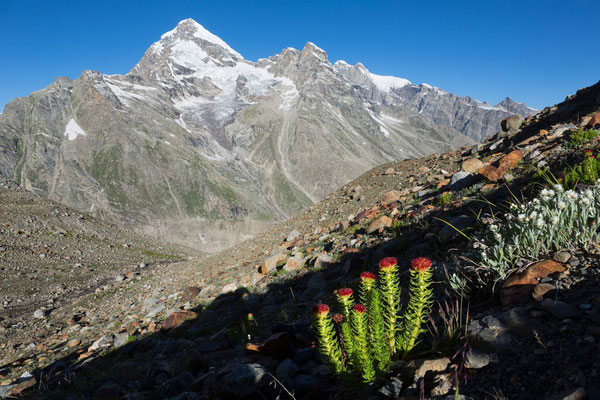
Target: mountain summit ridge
{"type": "Point", "coordinates": [202, 147]}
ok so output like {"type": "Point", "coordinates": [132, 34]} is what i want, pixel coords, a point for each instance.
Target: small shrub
{"type": "Point", "coordinates": [445, 198]}
{"type": "Point", "coordinates": [370, 334]}
{"type": "Point", "coordinates": [554, 221]}
{"type": "Point", "coordinates": [581, 137]}
{"type": "Point", "coordinates": [353, 229]}
{"type": "Point", "coordinates": [586, 172]}
{"type": "Point", "coordinates": [396, 227]}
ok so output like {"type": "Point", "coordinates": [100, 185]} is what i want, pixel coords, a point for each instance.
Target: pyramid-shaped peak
{"type": "Point", "coordinates": [189, 29]}
{"type": "Point", "coordinates": [312, 49]}
{"type": "Point", "coordinates": [310, 46]}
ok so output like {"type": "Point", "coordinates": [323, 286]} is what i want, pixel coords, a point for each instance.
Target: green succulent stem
{"type": "Point", "coordinates": [328, 344]}
{"type": "Point", "coordinates": [365, 291]}
{"type": "Point", "coordinates": [417, 310]}
{"type": "Point", "coordinates": [360, 328]}
{"type": "Point", "coordinates": [377, 324]}
{"type": "Point", "coordinates": [348, 342]}
{"type": "Point", "coordinates": [390, 293]}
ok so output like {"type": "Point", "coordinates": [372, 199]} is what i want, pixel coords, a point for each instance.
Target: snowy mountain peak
{"type": "Point", "coordinates": [312, 49]}
{"type": "Point", "coordinates": [188, 29]}
{"type": "Point", "coordinates": [360, 74]}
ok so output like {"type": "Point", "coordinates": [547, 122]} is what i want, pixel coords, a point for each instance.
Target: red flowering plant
{"type": "Point", "coordinates": [328, 345]}
{"type": "Point", "coordinates": [372, 334]}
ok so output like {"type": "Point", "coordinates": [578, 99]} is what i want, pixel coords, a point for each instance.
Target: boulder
{"type": "Point", "coordinates": [461, 179]}
{"type": "Point", "coordinates": [271, 262]}
{"type": "Point", "coordinates": [190, 293]}
{"type": "Point", "coordinates": [177, 318]}
{"type": "Point", "coordinates": [471, 165]}
{"type": "Point", "coordinates": [462, 222]}
{"type": "Point", "coordinates": [421, 367]}
{"type": "Point", "coordinates": [294, 264]}
{"type": "Point", "coordinates": [244, 380]}
{"type": "Point", "coordinates": [595, 121]}
{"type": "Point", "coordinates": [512, 123]}
{"type": "Point", "coordinates": [494, 173]}
{"type": "Point", "coordinates": [392, 196]}
{"type": "Point", "coordinates": [519, 286]}
{"type": "Point", "coordinates": [382, 222]}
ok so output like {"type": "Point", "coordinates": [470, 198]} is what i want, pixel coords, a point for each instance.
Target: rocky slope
{"type": "Point", "coordinates": [185, 332]}
{"type": "Point", "coordinates": [50, 256]}
{"type": "Point", "coordinates": [197, 145]}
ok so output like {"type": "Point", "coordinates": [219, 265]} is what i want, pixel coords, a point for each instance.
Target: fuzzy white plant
{"type": "Point", "coordinates": [555, 220]}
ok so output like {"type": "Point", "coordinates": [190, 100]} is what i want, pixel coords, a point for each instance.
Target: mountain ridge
{"type": "Point", "coordinates": [198, 139]}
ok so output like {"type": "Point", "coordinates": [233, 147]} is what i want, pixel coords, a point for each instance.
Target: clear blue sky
{"type": "Point", "coordinates": [534, 51]}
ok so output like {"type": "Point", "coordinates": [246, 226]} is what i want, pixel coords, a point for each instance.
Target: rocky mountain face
{"type": "Point", "coordinates": [471, 117]}
{"type": "Point", "coordinates": [200, 146]}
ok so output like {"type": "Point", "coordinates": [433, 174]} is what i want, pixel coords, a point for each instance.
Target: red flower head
{"type": "Point", "coordinates": [421, 264]}
{"type": "Point", "coordinates": [337, 318]}
{"type": "Point", "coordinates": [387, 263]}
{"type": "Point", "coordinates": [320, 310]}
{"type": "Point", "coordinates": [359, 308]}
{"type": "Point", "coordinates": [345, 292]}
{"type": "Point", "coordinates": [588, 151]}
{"type": "Point", "coordinates": [368, 276]}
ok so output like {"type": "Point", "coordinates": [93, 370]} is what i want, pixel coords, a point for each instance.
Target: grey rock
{"type": "Point", "coordinates": [574, 262]}
{"type": "Point", "coordinates": [305, 383]}
{"type": "Point", "coordinates": [304, 355]}
{"type": "Point", "coordinates": [294, 234]}
{"type": "Point", "coordinates": [121, 339]}
{"type": "Point", "coordinates": [229, 288]}
{"type": "Point", "coordinates": [512, 123]}
{"type": "Point", "coordinates": [461, 179]}
{"type": "Point", "coordinates": [315, 287]}
{"type": "Point", "coordinates": [286, 368]}
{"type": "Point", "coordinates": [6, 390]}
{"type": "Point", "coordinates": [154, 311]}
{"type": "Point", "coordinates": [562, 256]}
{"type": "Point", "coordinates": [244, 380]}
{"type": "Point", "coordinates": [392, 388]}
{"type": "Point", "coordinates": [462, 222]}
{"type": "Point", "coordinates": [496, 144]}
{"type": "Point", "coordinates": [489, 338]}
{"type": "Point", "coordinates": [39, 314]}
{"type": "Point", "coordinates": [477, 359]}
{"type": "Point", "coordinates": [323, 260]}
{"type": "Point", "coordinates": [421, 367]}
{"type": "Point", "coordinates": [560, 309]}
{"type": "Point", "coordinates": [518, 321]}
{"type": "Point", "coordinates": [104, 341]}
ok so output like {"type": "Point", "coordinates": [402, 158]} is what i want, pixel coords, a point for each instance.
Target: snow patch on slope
{"type": "Point", "coordinates": [386, 83]}
{"type": "Point", "coordinates": [124, 95]}
{"type": "Point", "coordinates": [72, 130]}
